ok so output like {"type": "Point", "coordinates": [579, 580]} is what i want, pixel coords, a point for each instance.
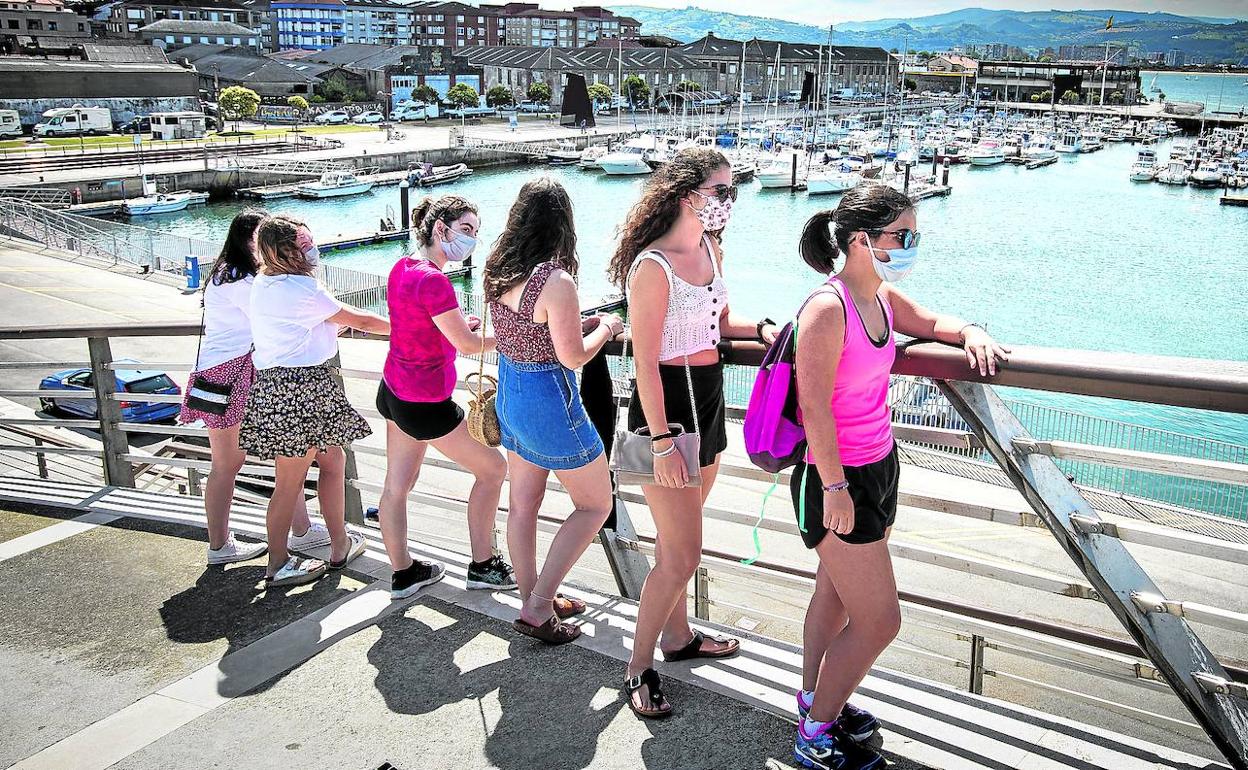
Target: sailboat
{"type": "Point", "coordinates": [1152, 87]}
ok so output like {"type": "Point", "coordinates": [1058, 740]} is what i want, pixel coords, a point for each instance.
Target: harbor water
{"type": "Point", "coordinates": [1219, 92]}
{"type": "Point", "coordinates": [1071, 255]}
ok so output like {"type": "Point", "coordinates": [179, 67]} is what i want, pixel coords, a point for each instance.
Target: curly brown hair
{"type": "Point", "coordinates": [277, 238]}
{"type": "Point", "coordinates": [429, 211]}
{"type": "Point", "coordinates": [539, 229]}
{"type": "Point", "coordinates": [656, 212]}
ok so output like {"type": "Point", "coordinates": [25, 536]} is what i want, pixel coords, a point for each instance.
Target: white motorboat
{"type": "Point", "coordinates": [1039, 148]}
{"type": "Point", "coordinates": [988, 152]}
{"type": "Point", "coordinates": [591, 156]}
{"type": "Point", "coordinates": [631, 158]}
{"type": "Point", "coordinates": [1175, 172]}
{"type": "Point", "coordinates": [1091, 141]}
{"type": "Point", "coordinates": [1013, 146]}
{"type": "Point", "coordinates": [825, 180]}
{"type": "Point", "coordinates": [1145, 167]}
{"type": "Point", "coordinates": [565, 154]}
{"type": "Point", "coordinates": [335, 184]}
{"type": "Point", "coordinates": [429, 175]}
{"type": "Point", "coordinates": [162, 203]}
{"type": "Point", "coordinates": [1206, 175]}
{"type": "Point", "coordinates": [1071, 141]}
{"type": "Point", "coordinates": [784, 171]}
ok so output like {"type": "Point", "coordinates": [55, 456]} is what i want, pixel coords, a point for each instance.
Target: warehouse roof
{"type": "Point", "coordinates": [757, 48]}
{"type": "Point", "coordinates": [238, 63]}
{"type": "Point", "coordinates": [537, 58]}
{"type": "Point", "coordinates": [196, 27]}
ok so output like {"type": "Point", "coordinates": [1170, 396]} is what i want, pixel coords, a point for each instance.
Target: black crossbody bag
{"type": "Point", "coordinates": [204, 395]}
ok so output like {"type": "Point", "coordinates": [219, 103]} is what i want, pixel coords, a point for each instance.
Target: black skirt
{"type": "Point", "coordinates": [422, 420]}
{"type": "Point", "coordinates": [708, 393]}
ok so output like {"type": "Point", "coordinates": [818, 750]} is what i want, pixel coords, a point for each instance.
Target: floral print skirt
{"type": "Point", "coordinates": [294, 409]}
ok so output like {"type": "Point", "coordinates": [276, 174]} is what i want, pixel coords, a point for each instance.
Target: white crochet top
{"type": "Point", "coordinates": [693, 312]}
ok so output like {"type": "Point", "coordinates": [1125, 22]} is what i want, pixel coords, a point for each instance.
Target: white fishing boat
{"type": "Point", "coordinates": [162, 203]}
{"type": "Point", "coordinates": [1090, 141]}
{"type": "Point", "coordinates": [785, 170]}
{"type": "Point", "coordinates": [629, 159]}
{"type": "Point", "coordinates": [1175, 172]}
{"type": "Point", "coordinates": [988, 152]}
{"type": "Point", "coordinates": [1039, 148]}
{"type": "Point", "coordinates": [825, 180]}
{"type": "Point", "coordinates": [1206, 175]}
{"type": "Point", "coordinates": [1071, 141]}
{"type": "Point", "coordinates": [591, 156]}
{"type": "Point", "coordinates": [1013, 146]}
{"type": "Point", "coordinates": [335, 184]}
{"type": "Point", "coordinates": [1145, 167]}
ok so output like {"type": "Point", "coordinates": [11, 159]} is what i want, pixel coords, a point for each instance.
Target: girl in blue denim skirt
{"type": "Point", "coordinates": [530, 283]}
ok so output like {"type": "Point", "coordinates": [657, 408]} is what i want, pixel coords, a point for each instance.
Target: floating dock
{"type": "Point", "coordinates": [1236, 199]}
{"type": "Point", "coordinates": [291, 189]}
{"type": "Point", "coordinates": [351, 242]}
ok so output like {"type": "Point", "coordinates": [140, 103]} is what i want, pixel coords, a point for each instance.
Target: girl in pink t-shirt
{"type": "Point", "coordinates": [426, 330]}
{"type": "Point", "coordinates": [845, 495]}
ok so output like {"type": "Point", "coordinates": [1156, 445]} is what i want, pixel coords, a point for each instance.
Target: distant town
{"type": "Point", "coordinates": [303, 58]}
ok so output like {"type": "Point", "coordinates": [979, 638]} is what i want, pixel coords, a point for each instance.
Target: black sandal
{"type": "Point", "coordinates": [694, 648]}
{"type": "Point", "coordinates": [649, 679]}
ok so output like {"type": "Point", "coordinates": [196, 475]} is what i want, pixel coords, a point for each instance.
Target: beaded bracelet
{"type": "Point", "coordinates": [836, 486]}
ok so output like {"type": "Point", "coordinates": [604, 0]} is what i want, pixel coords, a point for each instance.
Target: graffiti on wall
{"type": "Point", "coordinates": [122, 108]}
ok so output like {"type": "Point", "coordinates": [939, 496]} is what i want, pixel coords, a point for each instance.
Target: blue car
{"type": "Point", "coordinates": [137, 381]}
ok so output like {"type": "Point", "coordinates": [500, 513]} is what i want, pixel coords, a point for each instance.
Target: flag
{"type": "Point", "coordinates": [1109, 23]}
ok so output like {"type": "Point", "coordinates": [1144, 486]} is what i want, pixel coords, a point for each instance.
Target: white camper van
{"type": "Point", "coordinates": [70, 121]}
{"type": "Point", "coordinates": [10, 124]}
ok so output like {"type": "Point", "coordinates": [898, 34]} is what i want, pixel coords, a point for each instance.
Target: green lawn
{"type": "Point", "coordinates": [127, 140]}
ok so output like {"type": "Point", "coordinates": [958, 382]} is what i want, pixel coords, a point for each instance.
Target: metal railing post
{"type": "Point", "coordinates": [976, 684]}
{"type": "Point", "coordinates": [354, 505]}
{"type": "Point", "coordinates": [41, 460]}
{"type": "Point", "coordinates": [702, 594]}
{"type": "Point", "coordinates": [193, 486]}
{"type": "Point", "coordinates": [118, 471]}
{"type": "Point", "coordinates": [619, 541]}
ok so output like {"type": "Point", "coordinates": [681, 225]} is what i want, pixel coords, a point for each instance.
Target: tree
{"type": "Point", "coordinates": [463, 95]}
{"type": "Point", "coordinates": [893, 50]}
{"type": "Point", "coordinates": [1045, 96]}
{"type": "Point", "coordinates": [1046, 58]}
{"type": "Point", "coordinates": [500, 96]}
{"type": "Point", "coordinates": [601, 93]}
{"type": "Point", "coordinates": [1070, 97]}
{"type": "Point", "coordinates": [538, 92]}
{"type": "Point", "coordinates": [425, 93]}
{"type": "Point", "coordinates": [637, 90]}
{"type": "Point", "coordinates": [911, 85]}
{"type": "Point", "coordinates": [299, 105]}
{"type": "Point", "coordinates": [238, 103]}
{"type": "Point", "coordinates": [685, 86]}
{"type": "Point", "coordinates": [1117, 97]}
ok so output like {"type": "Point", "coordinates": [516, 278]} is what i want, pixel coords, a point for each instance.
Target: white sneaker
{"type": "Point", "coordinates": [317, 536]}
{"type": "Point", "coordinates": [233, 551]}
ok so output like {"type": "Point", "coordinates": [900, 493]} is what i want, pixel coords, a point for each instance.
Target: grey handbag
{"type": "Point", "coordinates": [632, 459]}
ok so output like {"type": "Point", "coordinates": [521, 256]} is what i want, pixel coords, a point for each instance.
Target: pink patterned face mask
{"type": "Point", "coordinates": [715, 214]}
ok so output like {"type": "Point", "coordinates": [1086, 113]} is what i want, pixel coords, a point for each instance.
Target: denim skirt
{"type": "Point", "coordinates": [541, 415]}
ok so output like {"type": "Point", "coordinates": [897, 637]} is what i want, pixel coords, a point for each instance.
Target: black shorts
{"type": "Point", "coordinates": [708, 392]}
{"type": "Point", "coordinates": [422, 420]}
{"type": "Point", "coordinates": [873, 488]}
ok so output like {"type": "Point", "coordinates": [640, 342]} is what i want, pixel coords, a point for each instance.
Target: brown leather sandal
{"type": "Point", "coordinates": [552, 632]}
{"type": "Point", "coordinates": [567, 607]}
{"type": "Point", "coordinates": [694, 648]}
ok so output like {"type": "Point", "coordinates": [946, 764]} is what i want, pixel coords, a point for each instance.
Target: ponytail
{"type": "Point", "coordinates": [429, 211]}
{"type": "Point", "coordinates": [817, 247]}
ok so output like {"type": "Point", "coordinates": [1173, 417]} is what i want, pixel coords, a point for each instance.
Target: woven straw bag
{"type": "Point", "coordinates": [482, 415]}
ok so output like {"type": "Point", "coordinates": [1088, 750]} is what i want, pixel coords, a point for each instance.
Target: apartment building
{"type": "Point", "coordinates": [526, 24]}
{"type": "Point", "coordinates": [39, 23]}
{"type": "Point", "coordinates": [455, 25]}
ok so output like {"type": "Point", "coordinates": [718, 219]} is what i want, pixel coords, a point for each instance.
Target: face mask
{"type": "Point", "coordinates": [459, 247]}
{"type": "Point", "coordinates": [313, 255]}
{"type": "Point", "coordinates": [715, 214]}
{"type": "Point", "coordinates": [900, 262]}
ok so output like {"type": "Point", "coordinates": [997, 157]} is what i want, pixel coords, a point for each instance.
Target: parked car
{"type": "Point", "coordinates": [333, 117]}
{"type": "Point", "coordinates": [139, 124]}
{"type": "Point", "coordinates": [136, 381]}
{"type": "Point", "coordinates": [532, 107]}
{"type": "Point", "coordinates": [372, 116]}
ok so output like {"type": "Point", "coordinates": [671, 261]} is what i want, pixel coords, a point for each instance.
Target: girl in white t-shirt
{"type": "Point", "coordinates": [298, 413]}
{"type": "Point", "coordinates": [224, 358]}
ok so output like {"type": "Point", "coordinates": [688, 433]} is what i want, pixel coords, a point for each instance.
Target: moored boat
{"type": "Point", "coordinates": [831, 179]}
{"type": "Point", "coordinates": [1145, 167]}
{"type": "Point", "coordinates": [162, 203]}
{"type": "Point", "coordinates": [565, 154]}
{"type": "Point", "coordinates": [988, 152]}
{"type": "Point", "coordinates": [429, 175]}
{"type": "Point", "coordinates": [335, 184]}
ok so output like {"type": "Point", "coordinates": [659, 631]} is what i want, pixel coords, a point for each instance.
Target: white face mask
{"type": "Point", "coordinates": [715, 213]}
{"type": "Point", "coordinates": [459, 247]}
{"type": "Point", "coordinates": [313, 255]}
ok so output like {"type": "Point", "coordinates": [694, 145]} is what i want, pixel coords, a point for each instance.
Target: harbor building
{"type": "Point", "coordinates": [34, 23]}
{"type": "Point", "coordinates": [517, 67]}
{"type": "Point", "coordinates": [1019, 81]}
{"type": "Point", "coordinates": [396, 70]}
{"type": "Point", "coordinates": [1115, 54]}
{"type": "Point", "coordinates": [952, 62]}
{"type": "Point", "coordinates": [172, 34]}
{"type": "Point", "coordinates": [221, 66]}
{"type": "Point", "coordinates": [526, 24]}
{"type": "Point", "coordinates": [774, 67]}
{"type": "Point", "coordinates": [455, 25]}
{"type": "Point", "coordinates": [127, 17]}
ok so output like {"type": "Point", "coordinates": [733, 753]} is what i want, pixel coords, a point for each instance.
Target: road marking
{"type": "Point", "coordinates": [54, 534]}
{"type": "Point", "coordinates": [67, 301]}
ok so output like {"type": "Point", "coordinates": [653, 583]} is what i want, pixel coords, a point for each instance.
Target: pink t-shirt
{"type": "Point", "coordinates": [421, 363]}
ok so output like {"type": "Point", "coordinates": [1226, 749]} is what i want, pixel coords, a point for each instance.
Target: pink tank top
{"type": "Point", "coordinates": [864, 430]}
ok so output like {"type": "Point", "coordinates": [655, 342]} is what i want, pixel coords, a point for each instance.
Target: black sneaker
{"type": "Point", "coordinates": [405, 582]}
{"type": "Point", "coordinates": [857, 723]}
{"type": "Point", "coordinates": [493, 574]}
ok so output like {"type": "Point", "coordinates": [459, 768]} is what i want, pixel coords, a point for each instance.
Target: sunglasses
{"type": "Point", "coordinates": [722, 191]}
{"type": "Point", "coordinates": [906, 237]}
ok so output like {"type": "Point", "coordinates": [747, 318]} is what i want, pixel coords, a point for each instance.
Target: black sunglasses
{"type": "Point", "coordinates": [722, 191]}
{"type": "Point", "coordinates": [905, 236]}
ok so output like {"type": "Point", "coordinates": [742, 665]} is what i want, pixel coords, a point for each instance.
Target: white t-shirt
{"type": "Point", "coordinates": [227, 323]}
{"type": "Point", "coordinates": [288, 321]}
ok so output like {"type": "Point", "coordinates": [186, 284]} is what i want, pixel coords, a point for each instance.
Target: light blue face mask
{"type": "Point", "coordinates": [460, 246]}
{"type": "Point", "coordinates": [900, 261]}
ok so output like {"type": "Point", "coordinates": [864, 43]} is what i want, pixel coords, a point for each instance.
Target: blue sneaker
{"type": "Point", "coordinates": [832, 749]}
{"type": "Point", "coordinates": [857, 723]}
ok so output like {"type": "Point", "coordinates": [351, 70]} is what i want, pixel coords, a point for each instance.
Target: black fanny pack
{"type": "Point", "coordinates": [209, 397]}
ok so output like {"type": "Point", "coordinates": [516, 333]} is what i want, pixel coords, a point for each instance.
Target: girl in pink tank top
{"type": "Point", "coordinates": [845, 493]}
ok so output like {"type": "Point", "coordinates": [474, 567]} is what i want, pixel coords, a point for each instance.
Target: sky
{"type": "Point", "coordinates": [821, 12]}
